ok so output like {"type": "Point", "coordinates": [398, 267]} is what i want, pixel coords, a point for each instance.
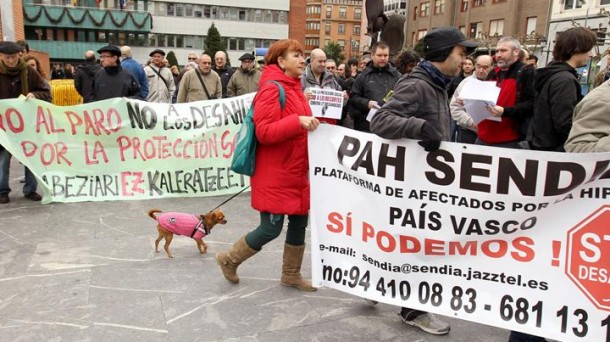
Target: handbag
{"type": "Point", "coordinates": [244, 155]}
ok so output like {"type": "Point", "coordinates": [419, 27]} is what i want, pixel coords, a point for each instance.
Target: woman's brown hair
{"type": "Point", "coordinates": [280, 48]}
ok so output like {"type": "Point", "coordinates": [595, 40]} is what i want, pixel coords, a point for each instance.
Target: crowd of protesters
{"type": "Point", "coordinates": [407, 96]}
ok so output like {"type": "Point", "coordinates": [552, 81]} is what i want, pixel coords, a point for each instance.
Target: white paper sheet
{"type": "Point", "coordinates": [478, 96]}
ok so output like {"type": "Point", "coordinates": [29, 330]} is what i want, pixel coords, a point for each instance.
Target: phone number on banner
{"type": "Point", "coordinates": [574, 321]}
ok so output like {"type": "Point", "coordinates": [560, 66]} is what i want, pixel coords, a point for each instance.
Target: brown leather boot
{"type": "Point", "coordinates": [291, 269]}
{"type": "Point", "coordinates": [228, 261]}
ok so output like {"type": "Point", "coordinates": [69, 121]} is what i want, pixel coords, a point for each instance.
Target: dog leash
{"type": "Point", "coordinates": [230, 198]}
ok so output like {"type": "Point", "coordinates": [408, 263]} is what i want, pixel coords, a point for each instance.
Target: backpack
{"type": "Point", "coordinates": [244, 155]}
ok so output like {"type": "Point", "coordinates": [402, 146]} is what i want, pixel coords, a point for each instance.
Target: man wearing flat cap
{"type": "Point", "coordinates": [112, 80]}
{"type": "Point", "coordinates": [17, 79]}
{"type": "Point", "coordinates": [419, 109]}
{"type": "Point", "coordinates": [245, 78]}
{"type": "Point", "coordinates": [161, 86]}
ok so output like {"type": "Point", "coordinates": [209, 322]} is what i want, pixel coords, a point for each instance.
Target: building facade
{"type": "Point", "coordinates": [591, 14]}
{"type": "Point", "coordinates": [483, 20]}
{"type": "Point", "coordinates": [337, 21]}
{"type": "Point", "coordinates": [179, 25]}
{"type": "Point", "coordinates": [395, 7]}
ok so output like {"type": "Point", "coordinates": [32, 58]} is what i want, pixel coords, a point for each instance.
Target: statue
{"type": "Point", "coordinates": [390, 30]}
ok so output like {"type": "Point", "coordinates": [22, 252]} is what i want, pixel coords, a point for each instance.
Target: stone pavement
{"type": "Point", "coordinates": [88, 272]}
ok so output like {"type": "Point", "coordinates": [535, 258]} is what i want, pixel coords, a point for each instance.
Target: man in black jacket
{"type": "Point", "coordinates": [83, 81]}
{"type": "Point", "coordinates": [559, 89]}
{"type": "Point", "coordinates": [113, 81]}
{"type": "Point", "coordinates": [371, 86]}
{"type": "Point", "coordinates": [419, 109]}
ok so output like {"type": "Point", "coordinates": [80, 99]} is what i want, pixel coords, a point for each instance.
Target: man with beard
{"type": "Point", "coordinates": [16, 79]}
{"type": "Point", "coordinates": [83, 79]}
{"type": "Point", "coordinates": [161, 85]}
{"type": "Point", "coordinates": [245, 78]}
{"type": "Point", "coordinates": [419, 109]}
{"type": "Point", "coordinates": [113, 81]}
{"type": "Point", "coordinates": [559, 89]}
{"type": "Point", "coordinates": [516, 100]}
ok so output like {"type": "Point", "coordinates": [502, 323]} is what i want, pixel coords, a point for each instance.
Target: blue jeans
{"type": "Point", "coordinates": [5, 164]}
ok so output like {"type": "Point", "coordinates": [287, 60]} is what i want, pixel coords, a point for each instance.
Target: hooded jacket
{"type": "Point", "coordinates": [373, 84]}
{"type": "Point", "coordinates": [558, 93]}
{"type": "Point", "coordinates": [83, 79]}
{"type": "Point", "coordinates": [416, 100]}
{"type": "Point", "coordinates": [280, 183]}
{"type": "Point", "coordinates": [225, 75]}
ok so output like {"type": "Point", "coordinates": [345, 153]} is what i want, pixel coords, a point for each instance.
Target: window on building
{"type": "Point", "coordinates": [604, 2]}
{"type": "Point", "coordinates": [326, 42]}
{"type": "Point", "coordinates": [258, 15]}
{"type": "Point", "coordinates": [327, 28]}
{"type": "Point", "coordinates": [496, 27]}
{"type": "Point", "coordinates": [356, 29]}
{"type": "Point", "coordinates": [170, 9]}
{"type": "Point", "coordinates": [475, 30]}
{"type": "Point", "coordinates": [421, 34]}
{"type": "Point", "coordinates": [341, 43]}
{"type": "Point", "coordinates": [206, 12]}
{"type": "Point", "coordinates": [341, 29]}
{"type": "Point", "coordinates": [415, 13]}
{"type": "Point", "coordinates": [358, 13]}
{"type": "Point", "coordinates": [188, 10]}
{"type": "Point", "coordinates": [242, 15]}
{"type": "Point", "coordinates": [342, 12]}
{"type": "Point", "coordinates": [439, 6]}
{"type": "Point", "coordinates": [329, 12]}
{"type": "Point", "coordinates": [424, 9]}
{"type": "Point", "coordinates": [464, 5]}
{"type": "Point", "coordinates": [572, 4]}
{"type": "Point", "coordinates": [531, 25]}
{"type": "Point", "coordinates": [478, 3]}
{"type": "Point", "coordinates": [233, 13]}
{"type": "Point", "coordinates": [463, 30]}
{"type": "Point", "coordinates": [197, 11]}
{"type": "Point", "coordinates": [283, 17]}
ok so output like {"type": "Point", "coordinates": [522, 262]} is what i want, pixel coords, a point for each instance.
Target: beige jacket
{"type": "Point", "coordinates": [191, 89]}
{"type": "Point", "coordinates": [243, 82]}
{"type": "Point", "coordinates": [159, 90]}
{"type": "Point", "coordinates": [591, 122]}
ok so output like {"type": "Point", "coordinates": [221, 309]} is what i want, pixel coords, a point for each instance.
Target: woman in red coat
{"type": "Point", "coordinates": [280, 184]}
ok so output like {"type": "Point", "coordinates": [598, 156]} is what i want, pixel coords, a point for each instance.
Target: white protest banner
{"type": "Point", "coordinates": [125, 149]}
{"type": "Point", "coordinates": [511, 238]}
{"type": "Point", "coordinates": [326, 103]}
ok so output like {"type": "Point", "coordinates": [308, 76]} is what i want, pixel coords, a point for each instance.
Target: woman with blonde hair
{"type": "Point", "coordinates": [280, 183]}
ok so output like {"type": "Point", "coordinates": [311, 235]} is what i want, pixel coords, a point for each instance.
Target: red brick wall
{"type": "Point", "coordinates": [296, 20]}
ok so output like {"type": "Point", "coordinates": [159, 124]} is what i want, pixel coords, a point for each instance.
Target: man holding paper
{"type": "Point", "coordinates": [516, 100]}
{"type": "Point", "coordinates": [317, 77]}
{"type": "Point", "coordinates": [467, 127]}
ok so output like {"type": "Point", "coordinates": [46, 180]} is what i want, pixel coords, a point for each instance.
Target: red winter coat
{"type": "Point", "coordinates": [280, 184]}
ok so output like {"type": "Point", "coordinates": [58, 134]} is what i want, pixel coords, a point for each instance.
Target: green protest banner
{"type": "Point", "coordinates": [124, 149]}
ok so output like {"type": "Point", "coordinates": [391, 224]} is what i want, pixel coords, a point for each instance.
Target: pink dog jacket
{"type": "Point", "coordinates": [182, 224]}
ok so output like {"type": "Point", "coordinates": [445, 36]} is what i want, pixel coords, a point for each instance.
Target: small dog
{"type": "Point", "coordinates": [195, 226]}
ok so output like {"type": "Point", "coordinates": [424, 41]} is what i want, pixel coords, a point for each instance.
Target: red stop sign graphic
{"type": "Point", "coordinates": [588, 257]}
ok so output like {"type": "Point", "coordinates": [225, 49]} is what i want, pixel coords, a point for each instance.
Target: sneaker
{"type": "Point", "coordinates": [370, 301]}
{"type": "Point", "coordinates": [33, 196]}
{"type": "Point", "coordinates": [429, 323]}
{"type": "Point", "coordinates": [4, 198]}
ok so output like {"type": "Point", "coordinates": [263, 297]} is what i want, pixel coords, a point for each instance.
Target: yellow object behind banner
{"type": "Point", "coordinates": [64, 93]}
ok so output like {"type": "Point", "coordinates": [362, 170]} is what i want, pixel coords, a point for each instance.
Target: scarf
{"type": "Point", "coordinates": [437, 77]}
{"type": "Point", "coordinates": [21, 70]}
